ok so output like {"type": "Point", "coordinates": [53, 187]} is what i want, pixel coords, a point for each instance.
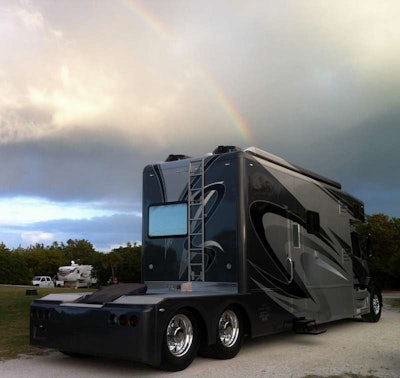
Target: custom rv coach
{"type": "Point", "coordinates": [235, 243]}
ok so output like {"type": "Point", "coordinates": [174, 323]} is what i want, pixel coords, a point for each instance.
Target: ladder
{"type": "Point", "coordinates": [196, 221]}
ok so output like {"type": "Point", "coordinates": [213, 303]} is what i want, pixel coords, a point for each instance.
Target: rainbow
{"type": "Point", "coordinates": [226, 104]}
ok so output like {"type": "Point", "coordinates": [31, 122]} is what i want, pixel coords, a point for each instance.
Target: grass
{"type": "Point", "coordinates": [14, 320]}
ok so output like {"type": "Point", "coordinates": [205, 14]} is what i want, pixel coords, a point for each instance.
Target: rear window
{"type": "Point", "coordinates": [168, 220]}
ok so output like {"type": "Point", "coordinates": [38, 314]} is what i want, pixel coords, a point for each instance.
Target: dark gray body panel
{"type": "Point", "coordinates": [165, 259]}
{"type": "Point", "coordinates": [322, 286]}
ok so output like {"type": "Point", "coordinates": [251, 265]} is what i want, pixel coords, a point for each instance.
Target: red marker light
{"type": "Point", "coordinates": [134, 321]}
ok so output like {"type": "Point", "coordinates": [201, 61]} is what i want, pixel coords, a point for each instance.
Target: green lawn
{"type": "Point", "coordinates": [14, 320]}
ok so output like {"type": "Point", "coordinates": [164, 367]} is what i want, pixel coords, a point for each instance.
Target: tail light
{"type": "Point", "coordinates": [123, 320]}
{"type": "Point", "coordinates": [133, 320]}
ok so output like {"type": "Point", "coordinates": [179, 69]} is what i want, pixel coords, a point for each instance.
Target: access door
{"type": "Point", "coordinates": [294, 267]}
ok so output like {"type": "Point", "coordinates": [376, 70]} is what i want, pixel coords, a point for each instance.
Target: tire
{"type": "Point", "coordinates": [181, 341]}
{"type": "Point", "coordinates": [230, 331]}
{"type": "Point", "coordinates": [375, 306]}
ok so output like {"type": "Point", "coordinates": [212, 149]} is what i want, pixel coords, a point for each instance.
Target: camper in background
{"type": "Point", "coordinates": [75, 275]}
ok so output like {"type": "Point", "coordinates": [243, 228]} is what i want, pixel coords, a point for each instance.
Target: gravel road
{"type": "Point", "coordinates": [349, 346]}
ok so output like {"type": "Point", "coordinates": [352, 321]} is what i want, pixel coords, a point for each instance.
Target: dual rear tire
{"type": "Point", "coordinates": [229, 335]}
{"type": "Point", "coordinates": [181, 340]}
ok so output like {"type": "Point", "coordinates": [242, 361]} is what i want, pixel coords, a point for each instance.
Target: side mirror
{"type": "Point", "coordinates": [369, 245]}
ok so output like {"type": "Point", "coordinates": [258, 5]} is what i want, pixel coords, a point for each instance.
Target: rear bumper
{"type": "Point", "coordinates": [124, 332]}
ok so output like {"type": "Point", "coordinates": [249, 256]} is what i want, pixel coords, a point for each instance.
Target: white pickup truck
{"type": "Point", "coordinates": [42, 281]}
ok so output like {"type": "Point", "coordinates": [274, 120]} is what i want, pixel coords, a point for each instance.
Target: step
{"type": "Point", "coordinates": [317, 331]}
{"type": "Point", "coordinates": [307, 326]}
{"type": "Point", "coordinates": [304, 321]}
{"type": "Point", "coordinates": [361, 294]}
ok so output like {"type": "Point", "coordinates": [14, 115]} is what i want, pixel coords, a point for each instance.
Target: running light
{"type": "Point", "coordinates": [113, 319]}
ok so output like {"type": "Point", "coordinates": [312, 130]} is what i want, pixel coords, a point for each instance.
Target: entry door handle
{"type": "Point", "coordinates": [291, 265]}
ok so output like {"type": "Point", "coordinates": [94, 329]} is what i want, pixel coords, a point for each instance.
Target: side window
{"type": "Point", "coordinates": [312, 225]}
{"type": "Point", "coordinates": [43, 279]}
{"type": "Point", "coordinates": [355, 245]}
{"type": "Point", "coordinates": [296, 235]}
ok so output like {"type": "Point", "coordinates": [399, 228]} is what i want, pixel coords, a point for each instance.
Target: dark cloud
{"type": "Point", "coordinates": [83, 167]}
{"type": "Point", "coordinates": [365, 153]}
{"type": "Point", "coordinates": [103, 232]}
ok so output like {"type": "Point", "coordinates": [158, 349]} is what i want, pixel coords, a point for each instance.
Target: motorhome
{"type": "Point", "coordinates": [235, 243]}
{"type": "Point", "coordinates": [75, 275]}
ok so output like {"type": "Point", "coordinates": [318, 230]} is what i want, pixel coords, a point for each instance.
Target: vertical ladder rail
{"type": "Point", "coordinates": [196, 221]}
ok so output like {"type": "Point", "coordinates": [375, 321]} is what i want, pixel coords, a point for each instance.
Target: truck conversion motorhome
{"type": "Point", "coordinates": [235, 243]}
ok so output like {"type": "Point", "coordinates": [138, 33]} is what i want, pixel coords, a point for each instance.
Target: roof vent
{"type": "Point", "coordinates": [176, 157]}
{"type": "Point", "coordinates": [225, 149]}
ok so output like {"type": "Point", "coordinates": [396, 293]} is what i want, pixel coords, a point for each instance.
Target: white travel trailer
{"type": "Point", "coordinates": [75, 275]}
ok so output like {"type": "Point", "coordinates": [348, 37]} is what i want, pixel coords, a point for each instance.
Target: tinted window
{"type": "Point", "coordinates": [168, 220]}
{"type": "Point", "coordinates": [355, 245]}
{"type": "Point", "coordinates": [296, 235]}
{"type": "Point", "coordinates": [312, 222]}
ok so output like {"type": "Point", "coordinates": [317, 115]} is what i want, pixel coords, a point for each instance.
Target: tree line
{"type": "Point", "coordinates": [18, 266]}
{"type": "Point", "coordinates": [384, 262]}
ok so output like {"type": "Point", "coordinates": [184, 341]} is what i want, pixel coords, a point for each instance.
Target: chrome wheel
{"type": "Point", "coordinates": [228, 328]}
{"type": "Point", "coordinates": [376, 306]}
{"type": "Point", "coordinates": [179, 335]}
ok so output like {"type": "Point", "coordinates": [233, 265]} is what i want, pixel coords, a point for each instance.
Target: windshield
{"type": "Point", "coordinates": [36, 278]}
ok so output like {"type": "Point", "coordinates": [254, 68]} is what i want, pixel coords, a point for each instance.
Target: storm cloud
{"type": "Point", "coordinates": [91, 92]}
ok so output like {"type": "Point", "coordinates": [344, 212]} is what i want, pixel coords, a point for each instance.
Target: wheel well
{"type": "Point", "coordinates": [200, 322]}
{"type": "Point", "coordinates": [245, 317]}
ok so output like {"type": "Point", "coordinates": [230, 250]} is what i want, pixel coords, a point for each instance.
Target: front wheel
{"type": "Point", "coordinates": [375, 305]}
{"type": "Point", "coordinates": [180, 342]}
{"type": "Point", "coordinates": [229, 335]}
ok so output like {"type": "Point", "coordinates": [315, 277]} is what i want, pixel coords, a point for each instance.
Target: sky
{"type": "Point", "coordinates": [92, 91]}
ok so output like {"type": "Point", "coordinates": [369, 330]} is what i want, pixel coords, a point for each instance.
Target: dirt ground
{"type": "Point", "coordinates": [349, 346]}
